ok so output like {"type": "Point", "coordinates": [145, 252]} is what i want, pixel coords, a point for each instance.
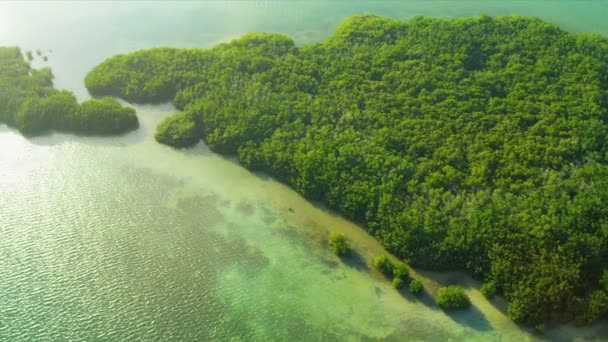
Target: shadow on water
{"type": "Point", "coordinates": [148, 115]}
{"type": "Point", "coordinates": [423, 298]}
{"type": "Point", "coordinates": [53, 138]}
{"type": "Point", "coordinates": [200, 149]}
{"type": "Point", "coordinates": [356, 261]}
{"type": "Point", "coordinates": [569, 332]}
{"type": "Point", "coordinates": [470, 317]}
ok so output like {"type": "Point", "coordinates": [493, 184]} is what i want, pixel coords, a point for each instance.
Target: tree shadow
{"type": "Point", "coordinates": [54, 138]}
{"type": "Point", "coordinates": [201, 149]}
{"type": "Point", "coordinates": [570, 332]}
{"type": "Point", "coordinates": [356, 261]}
{"type": "Point", "coordinates": [407, 295]}
{"type": "Point", "coordinates": [423, 297]}
{"type": "Point", "coordinates": [148, 116]}
{"type": "Point", "coordinates": [470, 317]}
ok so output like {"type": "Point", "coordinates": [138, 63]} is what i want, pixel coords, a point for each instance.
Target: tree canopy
{"type": "Point", "coordinates": [178, 130]}
{"type": "Point", "coordinates": [474, 143]}
{"type": "Point", "coordinates": [452, 297]}
{"type": "Point", "coordinates": [29, 102]}
{"type": "Point", "coordinates": [338, 244]}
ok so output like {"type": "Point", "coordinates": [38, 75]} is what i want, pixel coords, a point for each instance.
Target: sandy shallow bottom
{"type": "Point", "coordinates": [123, 238]}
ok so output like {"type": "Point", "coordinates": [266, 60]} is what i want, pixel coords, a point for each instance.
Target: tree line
{"type": "Point", "coordinates": [474, 143]}
{"type": "Point", "coordinates": [29, 102]}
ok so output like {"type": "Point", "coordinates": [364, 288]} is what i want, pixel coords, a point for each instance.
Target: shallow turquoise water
{"type": "Point", "coordinates": [123, 239]}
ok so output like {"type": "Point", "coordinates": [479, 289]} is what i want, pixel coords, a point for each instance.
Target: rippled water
{"type": "Point", "coordinates": [124, 239]}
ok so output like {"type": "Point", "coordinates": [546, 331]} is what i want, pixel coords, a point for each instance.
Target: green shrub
{"type": "Point", "coordinates": [179, 130]}
{"type": "Point", "coordinates": [338, 244]}
{"type": "Point", "coordinates": [383, 264]}
{"type": "Point", "coordinates": [38, 114]}
{"type": "Point", "coordinates": [518, 310]}
{"type": "Point", "coordinates": [415, 287]}
{"type": "Point", "coordinates": [604, 281]}
{"type": "Point", "coordinates": [398, 282]}
{"type": "Point", "coordinates": [597, 306]}
{"type": "Point", "coordinates": [104, 116]}
{"type": "Point", "coordinates": [32, 118]}
{"type": "Point", "coordinates": [488, 289]}
{"type": "Point", "coordinates": [452, 297]}
{"type": "Point", "coordinates": [400, 270]}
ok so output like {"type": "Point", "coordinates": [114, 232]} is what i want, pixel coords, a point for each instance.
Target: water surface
{"type": "Point", "coordinates": [123, 239]}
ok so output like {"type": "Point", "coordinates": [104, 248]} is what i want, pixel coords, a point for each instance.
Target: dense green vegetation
{"type": "Point", "coordinates": [398, 271]}
{"type": "Point", "coordinates": [104, 116]}
{"type": "Point", "coordinates": [398, 282]}
{"type": "Point", "coordinates": [29, 102]}
{"type": "Point", "coordinates": [415, 287]}
{"type": "Point", "coordinates": [476, 144]}
{"type": "Point", "coordinates": [383, 264]}
{"type": "Point", "coordinates": [452, 297]}
{"type": "Point", "coordinates": [488, 289]}
{"type": "Point", "coordinates": [338, 244]}
{"type": "Point", "coordinates": [178, 130]}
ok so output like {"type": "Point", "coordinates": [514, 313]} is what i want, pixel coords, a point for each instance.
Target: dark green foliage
{"type": "Point", "coordinates": [400, 271]}
{"type": "Point", "coordinates": [604, 281]}
{"type": "Point", "coordinates": [452, 297]}
{"type": "Point", "coordinates": [179, 130]}
{"type": "Point", "coordinates": [596, 306]}
{"type": "Point", "coordinates": [398, 282]}
{"type": "Point", "coordinates": [104, 116]}
{"type": "Point", "coordinates": [476, 144]}
{"type": "Point", "coordinates": [488, 289]}
{"type": "Point", "coordinates": [383, 264]}
{"type": "Point", "coordinates": [32, 118]}
{"type": "Point", "coordinates": [61, 108]}
{"type": "Point", "coordinates": [29, 102]}
{"type": "Point", "coordinates": [39, 114]}
{"type": "Point", "coordinates": [400, 274]}
{"type": "Point", "coordinates": [338, 244]}
{"type": "Point", "coordinates": [118, 76]}
{"type": "Point", "coordinates": [415, 287]}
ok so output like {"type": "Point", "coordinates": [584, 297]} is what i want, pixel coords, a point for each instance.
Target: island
{"type": "Point", "coordinates": [474, 144]}
{"type": "Point", "coordinates": [29, 102]}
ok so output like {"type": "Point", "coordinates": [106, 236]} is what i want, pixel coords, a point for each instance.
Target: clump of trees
{"type": "Point", "coordinates": [452, 297]}
{"type": "Point", "coordinates": [179, 130]}
{"type": "Point", "coordinates": [383, 264]}
{"type": "Point", "coordinates": [596, 306]}
{"type": "Point", "coordinates": [415, 287]}
{"type": "Point", "coordinates": [29, 102]}
{"type": "Point", "coordinates": [104, 116]}
{"type": "Point", "coordinates": [338, 244]}
{"type": "Point", "coordinates": [488, 289]}
{"type": "Point", "coordinates": [473, 143]}
{"type": "Point", "coordinates": [398, 271]}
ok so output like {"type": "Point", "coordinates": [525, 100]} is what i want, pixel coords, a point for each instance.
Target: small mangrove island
{"type": "Point", "coordinates": [29, 102]}
{"type": "Point", "coordinates": [476, 144]}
